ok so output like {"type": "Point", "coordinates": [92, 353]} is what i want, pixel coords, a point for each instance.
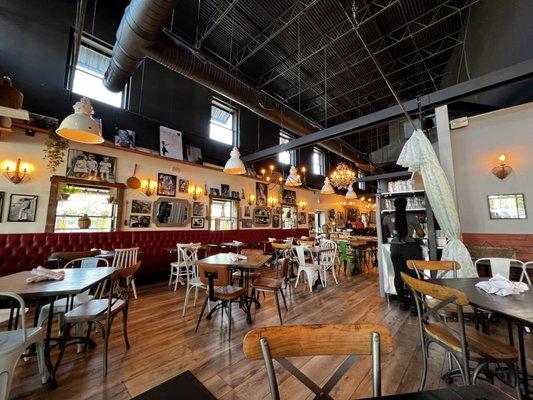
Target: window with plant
{"type": "Point", "coordinates": [85, 209]}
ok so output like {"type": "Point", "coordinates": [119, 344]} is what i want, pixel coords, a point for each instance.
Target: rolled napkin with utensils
{"type": "Point", "coordinates": [501, 286]}
{"type": "Point", "coordinates": [40, 274]}
{"type": "Point", "coordinates": [236, 257]}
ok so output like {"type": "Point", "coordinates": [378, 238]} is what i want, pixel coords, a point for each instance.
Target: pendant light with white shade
{"type": "Point", "coordinates": [235, 166]}
{"type": "Point", "coordinates": [81, 126]}
{"type": "Point", "coordinates": [350, 194]}
{"type": "Point", "coordinates": [327, 188]}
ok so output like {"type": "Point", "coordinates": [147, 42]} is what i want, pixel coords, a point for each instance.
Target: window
{"type": "Point", "coordinates": [88, 74]}
{"type": "Point", "coordinates": [223, 123]}
{"type": "Point", "coordinates": [319, 167]}
{"type": "Point", "coordinates": [223, 215]}
{"type": "Point", "coordinates": [361, 174]}
{"type": "Point", "coordinates": [286, 157]}
{"type": "Point", "coordinates": [95, 202]}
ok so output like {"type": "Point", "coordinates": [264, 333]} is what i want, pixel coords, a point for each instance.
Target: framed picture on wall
{"type": "Point", "coordinates": [198, 209]}
{"type": "Point", "coordinates": [139, 221]}
{"type": "Point", "coordinates": [91, 166]}
{"type": "Point", "coordinates": [124, 138]}
{"type": "Point", "coordinates": [141, 207]}
{"type": "Point", "coordinates": [22, 208]}
{"type": "Point", "coordinates": [246, 223]}
{"type": "Point", "coordinates": [183, 185]}
{"type": "Point", "coordinates": [276, 220]}
{"type": "Point", "coordinates": [302, 218]}
{"type": "Point", "coordinates": [166, 184]}
{"type": "Point", "coordinates": [507, 206]}
{"type": "Point", "coordinates": [247, 213]}
{"type": "Point", "coordinates": [288, 196]}
{"type": "Point", "coordinates": [194, 154]}
{"type": "Point", "coordinates": [170, 143]}
{"type": "Point", "coordinates": [261, 193]}
{"type": "Point", "coordinates": [197, 223]}
{"type": "Point", "coordinates": [224, 190]}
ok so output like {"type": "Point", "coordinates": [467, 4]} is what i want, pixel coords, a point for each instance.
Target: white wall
{"type": "Point", "coordinates": [476, 149]}
{"type": "Point", "coordinates": [30, 149]}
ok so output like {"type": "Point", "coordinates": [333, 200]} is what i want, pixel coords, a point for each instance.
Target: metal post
{"type": "Point", "coordinates": [376, 365]}
{"type": "Point", "coordinates": [274, 392]}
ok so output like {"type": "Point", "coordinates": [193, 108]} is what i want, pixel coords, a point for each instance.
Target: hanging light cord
{"type": "Point", "coordinates": [355, 26]}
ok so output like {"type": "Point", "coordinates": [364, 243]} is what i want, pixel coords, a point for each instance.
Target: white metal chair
{"type": "Point", "coordinates": [310, 270]}
{"type": "Point", "coordinates": [125, 258]}
{"type": "Point", "coordinates": [524, 272]}
{"type": "Point", "coordinates": [328, 258]}
{"type": "Point", "coordinates": [188, 254]}
{"type": "Point", "coordinates": [181, 268]}
{"type": "Point", "coordinates": [14, 343]}
{"type": "Point", "coordinates": [502, 266]}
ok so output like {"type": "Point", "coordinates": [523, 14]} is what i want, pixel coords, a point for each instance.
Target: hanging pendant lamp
{"type": "Point", "coordinates": [350, 194]}
{"type": "Point", "coordinates": [293, 180]}
{"type": "Point", "coordinates": [327, 188]}
{"type": "Point", "coordinates": [81, 126]}
{"type": "Point", "coordinates": [234, 166]}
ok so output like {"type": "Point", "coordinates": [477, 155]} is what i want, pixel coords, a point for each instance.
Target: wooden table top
{"type": "Point", "coordinates": [252, 261]}
{"type": "Point", "coordinates": [232, 244]}
{"type": "Point", "coordinates": [483, 391]}
{"type": "Point", "coordinates": [76, 280]}
{"type": "Point", "coordinates": [516, 306]}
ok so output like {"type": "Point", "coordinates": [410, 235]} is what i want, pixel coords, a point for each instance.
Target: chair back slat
{"type": "Point", "coordinates": [284, 269]}
{"type": "Point", "coordinates": [314, 340]}
{"type": "Point", "coordinates": [125, 257]}
{"type": "Point", "coordinates": [444, 267]}
{"type": "Point", "coordinates": [501, 266]}
{"type": "Point", "coordinates": [219, 273]}
{"type": "Point", "coordinates": [436, 291]}
{"type": "Point", "coordinates": [22, 310]}
{"type": "Point", "coordinates": [252, 252]}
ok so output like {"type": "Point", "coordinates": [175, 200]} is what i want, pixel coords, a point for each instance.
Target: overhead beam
{"type": "Point", "coordinates": [389, 175]}
{"type": "Point", "coordinates": [485, 82]}
{"type": "Point", "coordinates": [213, 22]}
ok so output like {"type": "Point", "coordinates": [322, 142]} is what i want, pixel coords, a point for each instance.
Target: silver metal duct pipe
{"type": "Point", "coordinates": [140, 35]}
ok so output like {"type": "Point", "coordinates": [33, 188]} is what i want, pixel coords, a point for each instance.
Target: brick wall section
{"type": "Point", "coordinates": [522, 243]}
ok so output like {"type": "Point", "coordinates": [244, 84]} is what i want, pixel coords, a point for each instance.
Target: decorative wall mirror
{"type": "Point", "coordinates": [261, 216]}
{"type": "Point", "coordinates": [171, 212]}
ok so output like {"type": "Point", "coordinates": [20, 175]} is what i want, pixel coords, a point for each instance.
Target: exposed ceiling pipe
{"type": "Point", "coordinates": [140, 35]}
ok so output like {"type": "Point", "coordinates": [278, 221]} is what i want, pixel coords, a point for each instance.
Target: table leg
{"type": "Point", "coordinates": [47, 358]}
{"type": "Point", "coordinates": [523, 361]}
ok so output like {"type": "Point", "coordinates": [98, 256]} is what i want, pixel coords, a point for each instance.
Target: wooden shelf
{"type": "Point", "coordinates": [409, 192]}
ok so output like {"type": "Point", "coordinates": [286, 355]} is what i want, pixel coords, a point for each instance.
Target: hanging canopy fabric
{"type": "Point", "coordinates": [418, 155]}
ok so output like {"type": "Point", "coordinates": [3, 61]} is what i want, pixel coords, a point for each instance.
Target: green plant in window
{"type": "Point", "coordinates": [54, 151]}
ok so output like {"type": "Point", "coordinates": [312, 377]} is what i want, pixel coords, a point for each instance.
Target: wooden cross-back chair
{"type": "Point", "coordinates": [96, 311]}
{"type": "Point", "coordinates": [217, 280]}
{"type": "Point", "coordinates": [464, 344]}
{"type": "Point", "coordinates": [316, 340]}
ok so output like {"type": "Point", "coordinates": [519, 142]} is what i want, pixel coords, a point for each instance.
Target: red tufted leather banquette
{"type": "Point", "coordinates": [23, 251]}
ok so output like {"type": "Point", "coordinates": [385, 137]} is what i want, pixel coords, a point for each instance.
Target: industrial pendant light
{"type": "Point", "coordinates": [327, 188]}
{"type": "Point", "coordinates": [234, 166]}
{"type": "Point", "coordinates": [80, 126]}
{"type": "Point", "coordinates": [350, 194]}
{"type": "Point", "coordinates": [293, 179]}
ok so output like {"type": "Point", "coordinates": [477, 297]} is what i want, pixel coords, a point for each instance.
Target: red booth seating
{"type": "Point", "coordinates": [23, 251]}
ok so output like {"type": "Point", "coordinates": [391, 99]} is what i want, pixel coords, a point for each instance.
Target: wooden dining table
{"type": "Point", "coordinates": [516, 309]}
{"type": "Point", "coordinates": [77, 280]}
{"type": "Point", "coordinates": [252, 262]}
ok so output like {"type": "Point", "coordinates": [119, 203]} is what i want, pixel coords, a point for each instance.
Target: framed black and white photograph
{"type": "Point", "coordinates": [183, 185]}
{"type": "Point", "coordinates": [91, 166]}
{"type": "Point", "coordinates": [277, 210]}
{"type": "Point", "coordinates": [246, 223]}
{"type": "Point", "coordinates": [247, 213]}
{"type": "Point", "coordinates": [311, 220]}
{"type": "Point", "coordinates": [166, 184]}
{"type": "Point", "coordinates": [124, 138]}
{"type": "Point", "coordinates": [302, 218]}
{"type": "Point", "coordinates": [507, 206]}
{"type": "Point", "coordinates": [261, 193]}
{"type": "Point", "coordinates": [197, 222]}
{"type": "Point", "coordinates": [139, 221]}
{"type": "Point", "coordinates": [194, 154]}
{"type": "Point", "coordinates": [170, 143]}
{"type": "Point", "coordinates": [288, 196]}
{"type": "Point", "coordinates": [275, 220]}
{"type": "Point", "coordinates": [235, 194]}
{"type": "Point", "coordinates": [224, 190]}
{"type": "Point", "coordinates": [22, 208]}
{"type": "Point", "coordinates": [141, 207]}
{"type": "Point", "coordinates": [198, 209]}
{"type": "Point", "coordinates": [214, 192]}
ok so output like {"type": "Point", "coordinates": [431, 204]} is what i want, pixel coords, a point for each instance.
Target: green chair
{"type": "Point", "coordinates": [345, 256]}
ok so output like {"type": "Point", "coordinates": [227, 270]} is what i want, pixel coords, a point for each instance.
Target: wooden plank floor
{"type": "Point", "coordinates": [164, 344]}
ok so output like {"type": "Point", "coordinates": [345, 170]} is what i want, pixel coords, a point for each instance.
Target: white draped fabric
{"type": "Point", "coordinates": [418, 155]}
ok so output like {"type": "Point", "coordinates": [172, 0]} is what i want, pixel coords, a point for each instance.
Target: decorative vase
{"type": "Point", "coordinates": [65, 196]}
{"type": "Point", "coordinates": [9, 96]}
{"type": "Point", "coordinates": [84, 222]}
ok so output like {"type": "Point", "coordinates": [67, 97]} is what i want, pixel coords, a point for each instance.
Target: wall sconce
{"type": "Point", "coordinates": [302, 204]}
{"type": "Point", "coordinates": [251, 199]}
{"type": "Point", "coordinates": [272, 201]}
{"type": "Point", "coordinates": [502, 171]}
{"type": "Point", "coordinates": [195, 191]}
{"type": "Point", "coordinates": [148, 187]}
{"type": "Point", "coordinates": [16, 172]}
